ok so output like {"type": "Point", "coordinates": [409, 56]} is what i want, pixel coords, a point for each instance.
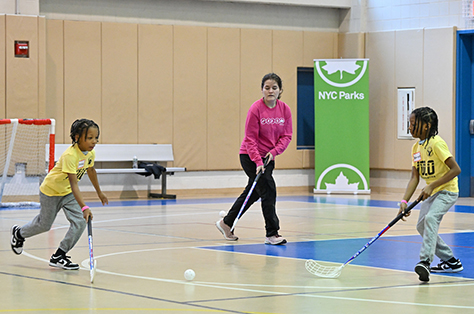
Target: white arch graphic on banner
{"type": "Point", "coordinates": [361, 175]}
{"type": "Point", "coordinates": [361, 74]}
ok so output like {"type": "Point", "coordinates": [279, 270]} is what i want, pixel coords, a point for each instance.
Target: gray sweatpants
{"type": "Point", "coordinates": [431, 213]}
{"type": "Point", "coordinates": [50, 207]}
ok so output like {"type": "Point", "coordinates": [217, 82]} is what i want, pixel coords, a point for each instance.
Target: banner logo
{"type": "Point", "coordinates": [341, 183]}
{"type": "Point", "coordinates": [341, 73]}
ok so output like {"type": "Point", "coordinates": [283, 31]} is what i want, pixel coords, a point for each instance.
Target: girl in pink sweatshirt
{"type": "Point", "coordinates": [268, 131]}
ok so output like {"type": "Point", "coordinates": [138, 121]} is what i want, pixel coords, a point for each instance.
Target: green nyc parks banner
{"type": "Point", "coordinates": [341, 112]}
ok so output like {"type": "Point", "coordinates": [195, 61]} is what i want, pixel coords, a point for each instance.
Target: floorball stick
{"type": "Point", "coordinates": [92, 261]}
{"type": "Point", "coordinates": [265, 162]}
{"type": "Point", "coordinates": [334, 271]}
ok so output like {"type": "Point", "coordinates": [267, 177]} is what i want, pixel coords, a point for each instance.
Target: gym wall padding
{"type": "Point", "coordinates": [380, 50]}
{"type": "Point", "coordinates": [255, 61]}
{"type": "Point", "coordinates": [185, 99]}
{"type": "Point", "coordinates": [439, 68]}
{"type": "Point", "coordinates": [351, 45]}
{"type": "Point", "coordinates": [285, 63]}
{"type": "Point", "coordinates": [82, 74]}
{"type": "Point", "coordinates": [190, 97]}
{"type": "Point", "coordinates": [423, 59]}
{"type": "Point", "coordinates": [155, 86]}
{"type": "Point", "coordinates": [119, 83]}
{"type": "Point", "coordinates": [223, 98]}
{"type": "Point", "coordinates": [55, 76]}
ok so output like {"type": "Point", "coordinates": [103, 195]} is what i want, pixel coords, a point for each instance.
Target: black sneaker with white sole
{"type": "Point", "coordinates": [63, 262]}
{"type": "Point", "coordinates": [423, 271]}
{"type": "Point", "coordinates": [15, 241]}
{"type": "Point", "coordinates": [448, 266]}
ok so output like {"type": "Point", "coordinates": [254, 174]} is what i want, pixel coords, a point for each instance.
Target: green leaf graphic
{"type": "Point", "coordinates": [341, 66]}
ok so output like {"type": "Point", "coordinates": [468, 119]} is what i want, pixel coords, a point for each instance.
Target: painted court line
{"type": "Point", "coordinates": [227, 286]}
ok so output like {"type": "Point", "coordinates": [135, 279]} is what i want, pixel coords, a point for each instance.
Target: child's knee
{"type": "Point", "coordinates": [420, 227]}
{"type": "Point", "coordinates": [430, 220]}
{"type": "Point", "coordinates": [81, 224]}
{"type": "Point", "coordinates": [45, 227]}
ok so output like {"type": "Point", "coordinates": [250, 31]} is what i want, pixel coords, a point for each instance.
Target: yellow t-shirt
{"type": "Point", "coordinates": [430, 159]}
{"type": "Point", "coordinates": [72, 160]}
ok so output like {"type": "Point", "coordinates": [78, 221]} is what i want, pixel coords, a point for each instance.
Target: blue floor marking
{"type": "Point", "coordinates": [399, 253]}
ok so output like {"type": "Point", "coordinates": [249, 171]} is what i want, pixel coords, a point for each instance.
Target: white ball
{"type": "Point", "coordinates": [222, 213]}
{"type": "Point", "coordinates": [189, 274]}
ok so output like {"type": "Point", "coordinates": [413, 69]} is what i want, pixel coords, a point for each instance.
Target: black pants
{"type": "Point", "coordinates": [265, 189]}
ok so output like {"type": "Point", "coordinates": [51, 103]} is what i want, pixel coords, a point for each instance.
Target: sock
{"type": "Point", "coordinates": [452, 260]}
{"type": "Point", "coordinates": [59, 252]}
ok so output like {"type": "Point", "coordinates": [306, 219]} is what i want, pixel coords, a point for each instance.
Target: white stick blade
{"type": "Point", "coordinates": [323, 271]}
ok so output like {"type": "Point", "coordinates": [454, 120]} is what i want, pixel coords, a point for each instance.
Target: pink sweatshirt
{"type": "Point", "coordinates": [266, 130]}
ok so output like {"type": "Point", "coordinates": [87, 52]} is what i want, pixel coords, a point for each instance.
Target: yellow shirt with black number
{"type": "Point", "coordinates": [430, 159]}
{"type": "Point", "coordinates": [72, 160]}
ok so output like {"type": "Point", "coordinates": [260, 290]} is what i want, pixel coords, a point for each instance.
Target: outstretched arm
{"type": "Point", "coordinates": [95, 182]}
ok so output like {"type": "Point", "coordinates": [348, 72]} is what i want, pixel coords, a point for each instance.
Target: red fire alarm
{"type": "Point", "coordinates": [22, 49]}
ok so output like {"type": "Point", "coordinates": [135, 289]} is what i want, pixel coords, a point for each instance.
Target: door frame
{"type": "Point", "coordinates": [464, 112]}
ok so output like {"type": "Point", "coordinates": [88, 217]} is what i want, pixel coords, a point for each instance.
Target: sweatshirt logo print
{"type": "Point", "coordinates": [279, 121]}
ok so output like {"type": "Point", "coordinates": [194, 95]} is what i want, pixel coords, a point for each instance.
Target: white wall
{"type": "Point", "coordinates": [193, 12]}
{"type": "Point", "coordinates": [25, 7]}
{"type": "Point", "coordinates": [317, 3]}
{"type": "Point", "coordinates": [377, 15]}
{"type": "Point", "coordinates": [331, 15]}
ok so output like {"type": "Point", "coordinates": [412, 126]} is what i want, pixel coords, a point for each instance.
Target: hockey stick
{"type": "Point", "coordinates": [92, 261]}
{"type": "Point", "coordinates": [334, 271]}
{"type": "Point", "coordinates": [265, 162]}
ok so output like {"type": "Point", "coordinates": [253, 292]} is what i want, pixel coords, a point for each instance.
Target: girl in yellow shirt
{"type": "Point", "coordinates": [60, 190]}
{"type": "Point", "coordinates": [432, 160]}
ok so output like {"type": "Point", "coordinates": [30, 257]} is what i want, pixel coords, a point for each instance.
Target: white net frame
{"type": "Point", "coordinates": [323, 271]}
{"type": "Point", "coordinates": [26, 156]}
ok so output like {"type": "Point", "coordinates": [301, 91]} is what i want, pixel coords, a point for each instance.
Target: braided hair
{"type": "Point", "coordinates": [81, 126]}
{"type": "Point", "coordinates": [426, 115]}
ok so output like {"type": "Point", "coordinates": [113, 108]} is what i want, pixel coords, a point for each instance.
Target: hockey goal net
{"type": "Point", "coordinates": [26, 156]}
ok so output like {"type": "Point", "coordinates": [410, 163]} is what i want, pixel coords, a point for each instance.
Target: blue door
{"type": "Point", "coordinates": [465, 111]}
{"type": "Point", "coordinates": [305, 112]}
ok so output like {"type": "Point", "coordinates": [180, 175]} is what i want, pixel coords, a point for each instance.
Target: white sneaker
{"type": "Point", "coordinates": [225, 230]}
{"type": "Point", "coordinates": [275, 240]}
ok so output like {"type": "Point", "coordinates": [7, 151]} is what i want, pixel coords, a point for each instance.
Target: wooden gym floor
{"type": "Point", "coordinates": [143, 247]}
